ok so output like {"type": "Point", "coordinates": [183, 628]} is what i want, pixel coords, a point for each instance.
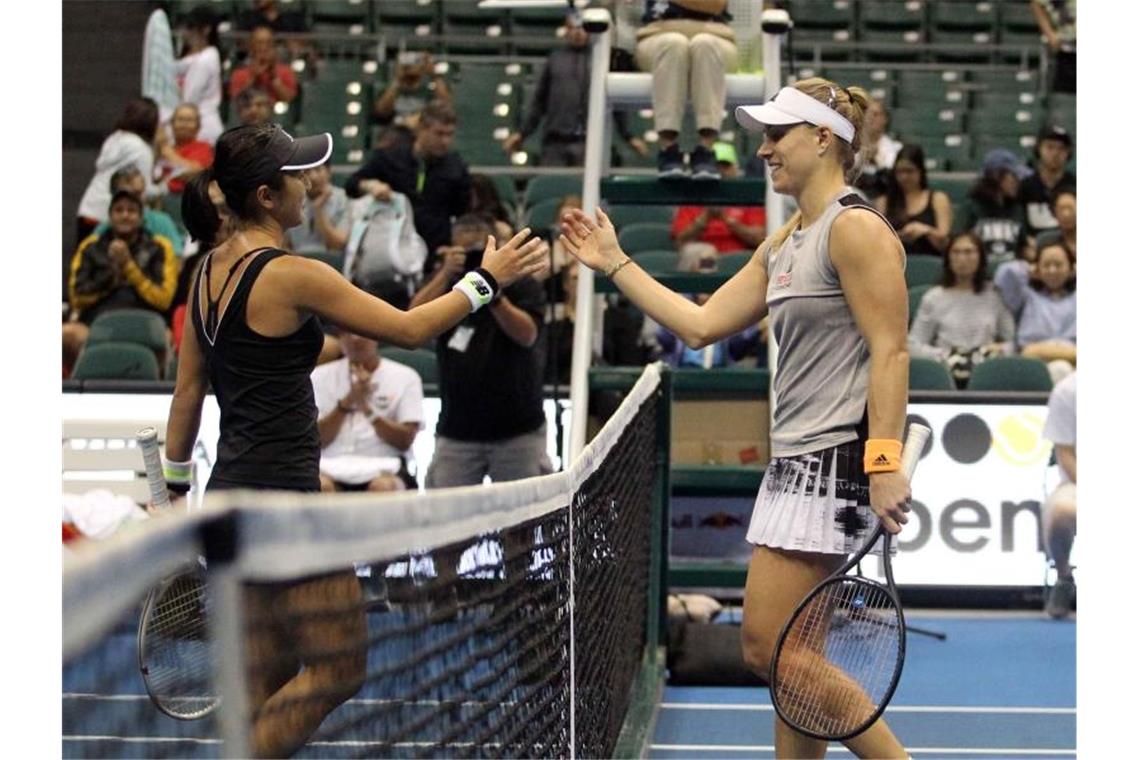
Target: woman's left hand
{"type": "Point", "coordinates": [913, 231]}
{"type": "Point", "coordinates": [890, 498]}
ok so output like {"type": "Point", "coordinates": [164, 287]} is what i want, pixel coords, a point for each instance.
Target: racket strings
{"type": "Point", "coordinates": [176, 648]}
{"type": "Point", "coordinates": [838, 660]}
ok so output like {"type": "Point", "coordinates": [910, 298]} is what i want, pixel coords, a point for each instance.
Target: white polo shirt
{"type": "Point", "coordinates": [358, 454]}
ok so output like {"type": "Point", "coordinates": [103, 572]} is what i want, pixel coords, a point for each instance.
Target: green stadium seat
{"type": "Point", "coordinates": [892, 14]}
{"type": "Point", "coordinates": [964, 15]}
{"type": "Point", "coordinates": [113, 360]}
{"type": "Point", "coordinates": [1019, 145]}
{"type": "Point", "coordinates": [955, 150]}
{"type": "Point", "coordinates": [1005, 79]}
{"type": "Point", "coordinates": [535, 30]}
{"type": "Point", "coordinates": [541, 215]}
{"type": "Point", "coordinates": [422, 360]}
{"type": "Point", "coordinates": [930, 375]}
{"type": "Point", "coordinates": [657, 262]}
{"type": "Point", "coordinates": [544, 186]}
{"type": "Point", "coordinates": [1005, 122]}
{"type": "Point", "coordinates": [623, 214]}
{"type": "Point", "coordinates": [405, 17]}
{"type": "Point", "coordinates": [878, 81]}
{"type": "Point", "coordinates": [893, 45]}
{"type": "Point", "coordinates": [1010, 373]}
{"type": "Point", "coordinates": [826, 14]}
{"type": "Point", "coordinates": [956, 188]}
{"type": "Point", "coordinates": [140, 326]}
{"type": "Point", "coordinates": [473, 30]}
{"type": "Point", "coordinates": [1062, 109]}
{"type": "Point", "coordinates": [921, 124]}
{"type": "Point", "coordinates": [341, 12]}
{"type": "Point", "coordinates": [1017, 16]}
{"type": "Point", "coordinates": [962, 46]}
{"type": "Point", "coordinates": [645, 236]}
{"type": "Point", "coordinates": [923, 270]}
{"type": "Point", "coordinates": [914, 297]}
{"type": "Point", "coordinates": [731, 263]}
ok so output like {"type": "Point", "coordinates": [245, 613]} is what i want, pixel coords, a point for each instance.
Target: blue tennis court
{"type": "Point", "coordinates": [1001, 685]}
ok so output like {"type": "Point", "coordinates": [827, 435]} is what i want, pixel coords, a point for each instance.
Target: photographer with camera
{"type": "Point", "coordinates": [490, 368]}
{"type": "Point", "coordinates": [416, 84]}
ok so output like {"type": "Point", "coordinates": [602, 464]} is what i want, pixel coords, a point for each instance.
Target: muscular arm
{"type": "Point", "coordinates": [329, 425]}
{"type": "Point", "coordinates": [186, 404]}
{"type": "Point", "coordinates": [516, 323]}
{"type": "Point", "coordinates": [939, 235]}
{"type": "Point", "coordinates": [868, 259]}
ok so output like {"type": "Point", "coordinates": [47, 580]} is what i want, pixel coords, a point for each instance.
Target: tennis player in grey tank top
{"type": "Point", "coordinates": [833, 279]}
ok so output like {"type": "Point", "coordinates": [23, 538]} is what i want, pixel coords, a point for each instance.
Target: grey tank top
{"type": "Point", "coordinates": [823, 367]}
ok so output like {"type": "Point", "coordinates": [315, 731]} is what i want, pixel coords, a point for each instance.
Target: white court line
{"type": "Point", "coordinates": [361, 701]}
{"type": "Point", "coordinates": [139, 739]}
{"type": "Point", "coordinates": [911, 750]}
{"type": "Point", "coordinates": [745, 707]}
{"type": "Point", "coordinates": [342, 743]}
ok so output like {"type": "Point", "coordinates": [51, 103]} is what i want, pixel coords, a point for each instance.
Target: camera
{"type": "Point", "coordinates": [410, 58]}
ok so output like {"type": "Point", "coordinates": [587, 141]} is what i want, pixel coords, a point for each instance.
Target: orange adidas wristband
{"type": "Point", "coordinates": [882, 455]}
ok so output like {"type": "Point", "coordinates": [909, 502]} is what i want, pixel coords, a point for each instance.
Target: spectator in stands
{"type": "Point", "coordinates": [369, 410]}
{"type": "Point", "coordinates": [560, 104]}
{"type": "Point", "coordinates": [416, 84]}
{"type": "Point", "coordinates": [125, 267]}
{"type": "Point", "coordinates": [1057, 20]}
{"type": "Point", "coordinates": [722, 353]}
{"type": "Point", "coordinates": [264, 70]}
{"type": "Point", "coordinates": [561, 326]}
{"type": "Point", "coordinates": [131, 144]}
{"type": "Point", "coordinates": [199, 70]}
{"type": "Point", "coordinates": [491, 421]}
{"type": "Point", "coordinates": [326, 220]}
{"type": "Point", "coordinates": [254, 106]}
{"type": "Point", "coordinates": [485, 202]}
{"type": "Point", "coordinates": [1053, 151]}
{"type": "Point", "coordinates": [1059, 513]}
{"type": "Point", "coordinates": [728, 229]}
{"type": "Point", "coordinates": [1064, 210]}
{"type": "Point", "coordinates": [921, 216]}
{"type": "Point", "coordinates": [427, 171]}
{"type": "Point", "coordinates": [155, 221]}
{"type": "Point", "coordinates": [187, 155]}
{"type": "Point", "coordinates": [878, 152]}
{"type": "Point", "coordinates": [992, 211]}
{"type": "Point", "coordinates": [1043, 299]}
{"type": "Point", "coordinates": [560, 257]}
{"type": "Point", "coordinates": [689, 47]}
{"type": "Point", "coordinates": [963, 321]}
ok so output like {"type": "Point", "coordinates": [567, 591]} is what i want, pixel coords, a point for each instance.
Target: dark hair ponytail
{"type": "Point", "coordinates": [198, 212]}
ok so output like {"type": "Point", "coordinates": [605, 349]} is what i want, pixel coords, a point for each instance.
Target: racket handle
{"type": "Point", "coordinates": [916, 438]}
{"type": "Point", "coordinates": [155, 480]}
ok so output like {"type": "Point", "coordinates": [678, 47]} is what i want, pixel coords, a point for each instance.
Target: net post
{"type": "Point", "coordinates": [221, 540]}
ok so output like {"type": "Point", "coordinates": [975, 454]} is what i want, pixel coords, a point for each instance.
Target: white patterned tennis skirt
{"type": "Point", "coordinates": [817, 502]}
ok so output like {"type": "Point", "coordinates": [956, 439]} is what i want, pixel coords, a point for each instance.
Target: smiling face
{"type": "Point", "coordinates": [788, 151]}
{"type": "Point", "coordinates": [1053, 267]}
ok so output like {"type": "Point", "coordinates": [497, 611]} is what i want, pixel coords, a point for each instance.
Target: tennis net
{"type": "Point", "coordinates": [503, 621]}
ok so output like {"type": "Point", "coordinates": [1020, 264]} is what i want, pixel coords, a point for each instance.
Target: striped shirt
{"type": "Point", "coordinates": [950, 318]}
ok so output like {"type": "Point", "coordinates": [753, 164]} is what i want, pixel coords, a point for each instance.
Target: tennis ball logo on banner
{"type": "Point", "coordinates": [1015, 438]}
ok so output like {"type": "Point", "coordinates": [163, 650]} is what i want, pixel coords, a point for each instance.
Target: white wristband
{"type": "Point", "coordinates": [478, 292]}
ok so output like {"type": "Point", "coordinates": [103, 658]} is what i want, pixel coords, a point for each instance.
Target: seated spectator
{"type": "Point", "coordinates": [416, 84]}
{"type": "Point", "coordinates": [131, 144]}
{"type": "Point", "coordinates": [921, 216]}
{"type": "Point", "coordinates": [878, 152]}
{"type": "Point", "coordinates": [559, 103]}
{"type": "Point", "coordinates": [1059, 512]}
{"type": "Point", "coordinates": [326, 219]}
{"type": "Point", "coordinates": [385, 256]}
{"type": "Point", "coordinates": [727, 229]}
{"type": "Point", "coordinates": [1057, 20]}
{"type": "Point", "coordinates": [963, 321]}
{"type": "Point", "coordinates": [263, 69]}
{"type": "Point", "coordinates": [155, 221]}
{"type": "Point", "coordinates": [254, 106]}
{"type": "Point", "coordinates": [427, 171]}
{"type": "Point", "coordinates": [685, 41]}
{"type": "Point", "coordinates": [1050, 176]}
{"type": "Point", "coordinates": [1064, 210]}
{"type": "Point", "coordinates": [1043, 299]}
{"type": "Point", "coordinates": [722, 353]}
{"type": "Point", "coordinates": [992, 211]}
{"type": "Point", "coordinates": [369, 410]}
{"type": "Point", "coordinates": [199, 70]}
{"type": "Point", "coordinates": [125, 267]}
{"type": "Point", "coordinates": [485, 202]}
{"type": "Point", "coordinates": [187, 155]}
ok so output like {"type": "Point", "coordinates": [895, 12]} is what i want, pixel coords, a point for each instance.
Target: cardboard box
{"type": "Point", "coordinates": [724, 431]}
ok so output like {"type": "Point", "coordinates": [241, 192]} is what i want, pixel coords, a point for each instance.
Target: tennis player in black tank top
{"type": "Point", "coordinates": [256, 312]}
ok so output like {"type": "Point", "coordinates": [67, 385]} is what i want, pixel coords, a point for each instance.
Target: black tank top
{"type": "Point", "coordinates": [922, 246]}
{"type": "Point", "coordinates": [269, 437]}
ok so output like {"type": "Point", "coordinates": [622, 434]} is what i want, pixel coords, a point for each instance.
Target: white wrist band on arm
{"type": "Point", "coordinates": [179, 475]}
{"type": "Point", "coordinates": [478, 291]}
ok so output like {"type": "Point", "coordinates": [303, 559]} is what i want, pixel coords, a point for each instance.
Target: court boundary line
{"type": "Point", "coordinates": [746, 707]}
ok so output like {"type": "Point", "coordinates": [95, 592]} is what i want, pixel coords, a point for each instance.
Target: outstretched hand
{"type": "Point", "coordinates": [516, 259]}
{"type": "Point", "coordinates": [592, 241]}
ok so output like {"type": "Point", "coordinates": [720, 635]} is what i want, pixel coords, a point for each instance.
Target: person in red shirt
{"type": "Point", "coordinates": [734, 228]}
{"type": "Point", "coordinates": [263, 69]}
{"type": "Point", "coordinates": [188, 155]}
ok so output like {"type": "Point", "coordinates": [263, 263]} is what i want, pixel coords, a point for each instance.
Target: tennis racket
{"type": "Point", "coordinates": [839, 657]}
{"type": "Point", "coordinates": [173, 637]}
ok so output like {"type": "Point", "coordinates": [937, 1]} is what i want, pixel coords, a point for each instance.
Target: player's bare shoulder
{"type": "Point", "coordinates": [861, 232]}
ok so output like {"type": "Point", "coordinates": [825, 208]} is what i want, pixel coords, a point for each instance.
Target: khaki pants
{"type": "Point", "coordinates": [688, 60]}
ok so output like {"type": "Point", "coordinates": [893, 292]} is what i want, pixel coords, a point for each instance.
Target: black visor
{"type": "Point", "coordinates": [288, 154]}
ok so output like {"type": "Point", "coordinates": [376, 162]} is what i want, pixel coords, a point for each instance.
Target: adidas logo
{"type": "Point", "coordinates": [881, 460]}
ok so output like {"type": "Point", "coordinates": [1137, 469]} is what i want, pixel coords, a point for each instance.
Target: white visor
{"type": "Point", "coordinates": [790, 106]}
